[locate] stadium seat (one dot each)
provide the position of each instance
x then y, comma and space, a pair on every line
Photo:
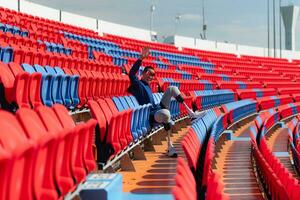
62, 174
15, 85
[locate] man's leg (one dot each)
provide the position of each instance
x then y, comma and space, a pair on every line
163, 116
173, 91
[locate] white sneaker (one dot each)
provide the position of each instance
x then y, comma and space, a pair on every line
197, 114
172, 152
190, 112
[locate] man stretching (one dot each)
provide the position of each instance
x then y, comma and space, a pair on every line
141, 90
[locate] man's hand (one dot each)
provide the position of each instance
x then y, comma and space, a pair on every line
145, 53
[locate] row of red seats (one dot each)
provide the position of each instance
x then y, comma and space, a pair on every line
204, 53
263, 79
20, 87
113, 133
46, 155
187, 85
290, 184
43, 23
274, 187
29, 55
280, 179
242, 66
185, 184
218, 77
253, 94
261, 73
93, 84
52, 59
210, 179
99, 56
73, 44
268, 60
281, 84
160, 73
191, 147
273, 101
152, 45
26, 42
235, 85
289, 110
186, 187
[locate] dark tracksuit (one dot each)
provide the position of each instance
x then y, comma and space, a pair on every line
141, 90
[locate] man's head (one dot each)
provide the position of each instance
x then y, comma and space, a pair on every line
148, 74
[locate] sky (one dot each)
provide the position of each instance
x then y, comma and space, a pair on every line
234, 21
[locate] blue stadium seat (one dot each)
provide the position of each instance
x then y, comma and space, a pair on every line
2, 27
7, 54
137, 118
47, 85
134, 120
57, 88
144, 113
70, 87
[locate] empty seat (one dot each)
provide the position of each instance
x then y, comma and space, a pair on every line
70, 86
46, 84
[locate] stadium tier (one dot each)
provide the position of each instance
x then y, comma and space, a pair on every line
71, 129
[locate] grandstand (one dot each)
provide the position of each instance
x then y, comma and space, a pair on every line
70, 130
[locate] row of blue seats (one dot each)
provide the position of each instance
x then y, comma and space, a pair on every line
224, 77
123, 53
119, 61
219, 126
92, 48
237, 104
207, 68
276, 100
6, 54
240, 109
241, 84
259, 93
172, 82
89, 40
140, 118
211, 98
192, 63
58, 48
116, 54
203, 126
208, 85
174, 56
177, 59
161, 65
57, 87
13, 30
185, 74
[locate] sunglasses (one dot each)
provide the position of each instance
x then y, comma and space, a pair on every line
150, 73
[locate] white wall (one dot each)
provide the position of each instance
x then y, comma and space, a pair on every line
122, 30
250, 50
79, 20
39, 10
206, 45
184, 41
226, 47
290, 54
11, 4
